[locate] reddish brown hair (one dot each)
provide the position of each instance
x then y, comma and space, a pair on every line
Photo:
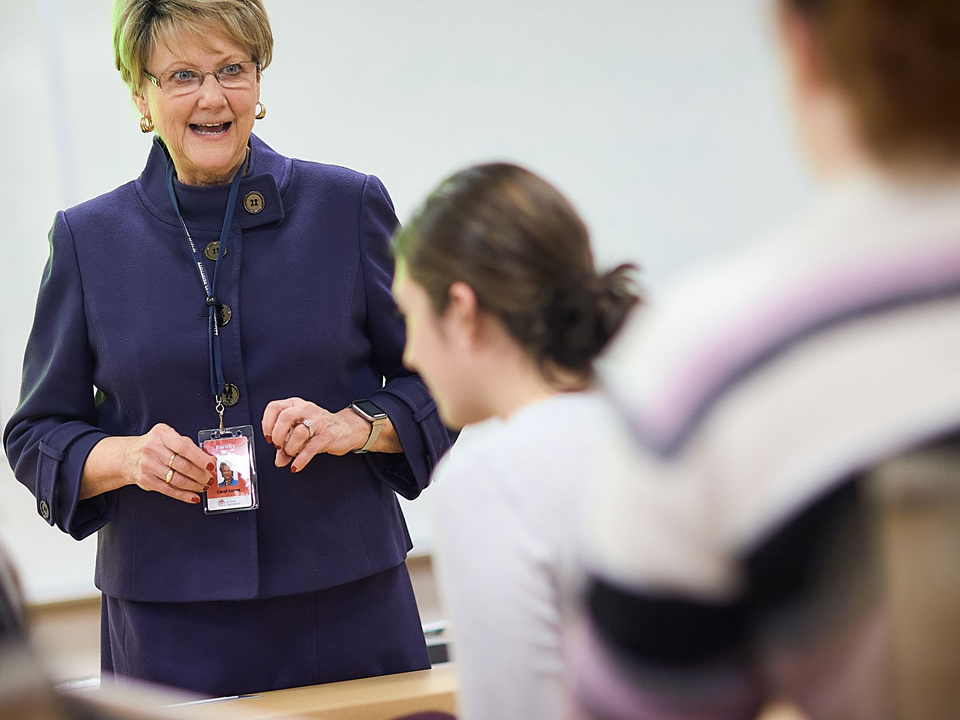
899, 63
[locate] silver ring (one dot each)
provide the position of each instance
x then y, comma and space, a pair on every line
308, 424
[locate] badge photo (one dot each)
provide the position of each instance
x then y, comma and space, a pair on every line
236, 486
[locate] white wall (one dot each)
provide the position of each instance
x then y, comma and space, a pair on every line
662, 121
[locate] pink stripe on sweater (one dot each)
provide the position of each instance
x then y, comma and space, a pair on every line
730, 349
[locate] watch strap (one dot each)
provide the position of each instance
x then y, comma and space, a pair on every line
375, 427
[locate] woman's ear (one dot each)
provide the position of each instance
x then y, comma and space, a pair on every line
460, 317
821, 110
141, 102
806, 63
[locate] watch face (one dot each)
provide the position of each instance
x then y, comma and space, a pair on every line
370, 409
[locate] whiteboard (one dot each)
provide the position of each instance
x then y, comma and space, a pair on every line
663, 122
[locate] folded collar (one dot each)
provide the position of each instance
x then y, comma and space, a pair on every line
259, 203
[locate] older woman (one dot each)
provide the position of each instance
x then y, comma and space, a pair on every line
225, 289
734, 553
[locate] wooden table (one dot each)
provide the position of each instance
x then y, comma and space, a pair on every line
377, 698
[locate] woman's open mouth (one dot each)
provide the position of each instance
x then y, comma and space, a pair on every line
210, 128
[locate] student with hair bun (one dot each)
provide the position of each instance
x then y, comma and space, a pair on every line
505, 314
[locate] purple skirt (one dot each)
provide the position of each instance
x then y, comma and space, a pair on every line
367, 627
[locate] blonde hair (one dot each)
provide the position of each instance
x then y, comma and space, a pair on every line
138, 25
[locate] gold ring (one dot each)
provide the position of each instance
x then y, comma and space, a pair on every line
169, 476
309, 425
170, 461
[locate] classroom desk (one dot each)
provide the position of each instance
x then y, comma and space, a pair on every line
377, 698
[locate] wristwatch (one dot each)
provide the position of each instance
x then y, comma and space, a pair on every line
373, 415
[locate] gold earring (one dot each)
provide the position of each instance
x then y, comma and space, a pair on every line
146, 124
262, 112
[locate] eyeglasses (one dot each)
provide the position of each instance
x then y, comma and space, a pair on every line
234, 76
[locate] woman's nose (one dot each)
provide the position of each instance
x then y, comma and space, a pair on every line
210, 93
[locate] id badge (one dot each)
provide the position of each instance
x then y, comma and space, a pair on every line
236, 488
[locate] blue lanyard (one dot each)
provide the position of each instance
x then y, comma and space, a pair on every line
217, 384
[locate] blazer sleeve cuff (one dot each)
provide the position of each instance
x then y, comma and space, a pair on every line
62, 455
422, 435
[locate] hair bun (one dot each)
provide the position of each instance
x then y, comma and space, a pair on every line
583, 314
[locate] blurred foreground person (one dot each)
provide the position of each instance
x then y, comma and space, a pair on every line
505, 314
772, 523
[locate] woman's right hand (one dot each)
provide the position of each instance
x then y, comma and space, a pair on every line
161, 461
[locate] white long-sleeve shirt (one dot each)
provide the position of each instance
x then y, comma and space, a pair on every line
507, 502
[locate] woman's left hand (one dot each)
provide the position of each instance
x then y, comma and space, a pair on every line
324, 432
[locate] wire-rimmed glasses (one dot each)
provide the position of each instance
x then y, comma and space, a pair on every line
235, 75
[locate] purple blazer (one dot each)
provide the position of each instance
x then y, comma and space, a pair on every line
119, 343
